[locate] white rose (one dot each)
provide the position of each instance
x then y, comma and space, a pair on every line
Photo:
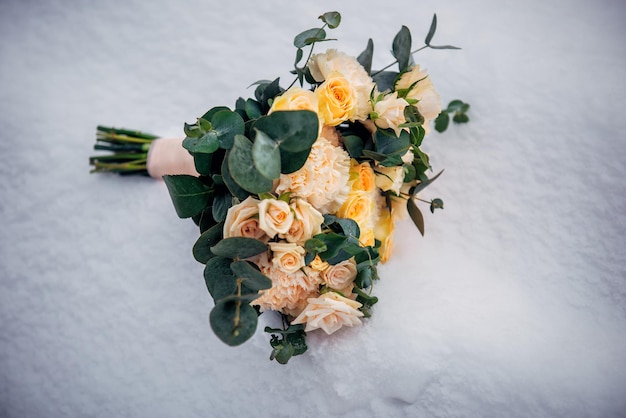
390, 112
275, 217
307, 222
287, 257
329, 312
241, 221
340, 275
429, 102
389, 178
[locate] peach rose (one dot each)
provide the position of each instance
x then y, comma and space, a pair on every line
289, 291
287, 257
389, 112
307, 222
329, 312
275, 217
341, 275
241, 221
336, 99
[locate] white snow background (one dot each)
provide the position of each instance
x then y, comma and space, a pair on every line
512, 305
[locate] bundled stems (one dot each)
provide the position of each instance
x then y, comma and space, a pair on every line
129, 151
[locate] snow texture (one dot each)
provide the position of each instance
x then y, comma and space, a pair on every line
513, 305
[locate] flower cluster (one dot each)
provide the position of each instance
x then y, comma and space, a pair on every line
298, 190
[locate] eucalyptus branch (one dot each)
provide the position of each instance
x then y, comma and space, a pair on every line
396, 61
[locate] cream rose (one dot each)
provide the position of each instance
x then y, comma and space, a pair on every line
242, 221
341, 275
275, 217
428, 100
389, 112
287, 257
306, 223
329, 312
336, 99
390, 178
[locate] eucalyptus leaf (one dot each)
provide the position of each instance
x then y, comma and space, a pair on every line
309, 36
242, 170
207, 143
219, 278
365, 57
421, 186
292, 161
227, 124
233, 321
193, 131
189, 194
442, 121
266, 155
390, 145
202, 248
354, 145
401, 48
202, 163
431, 31
251, 276
385, 80
253, 109
332, 19
416, 215
209, 114
334, 242
221, 203
444, 47
238, 247
455, 105
294, 131
234, 188
460, 118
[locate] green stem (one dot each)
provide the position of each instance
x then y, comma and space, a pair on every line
129, 151
307, 58
387, 66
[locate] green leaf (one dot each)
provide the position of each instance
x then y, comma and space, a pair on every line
455, 105
221, 203
332, 19
401, 48
385, 80
390, 144
444, 47
219, 278
207, 143
421, 186
202, 163
202, 248
294, 131
189, 194
436, 204
365, 57
292, 342
416, 215
251, 276
209, 115
442, 122
334, 242
253, 109
308, 37
292, 161
238, 247
460, 118
241, 167
314, 246
364, 278
227, 124
234, 188
354, 145
299, 54
233, 320
349, 227
193, 131
266, 155
431, 31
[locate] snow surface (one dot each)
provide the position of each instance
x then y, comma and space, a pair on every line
513, 305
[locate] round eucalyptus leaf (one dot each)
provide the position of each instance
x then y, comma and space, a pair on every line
227, 124
266, 155
219, 278
251, 277
233, 321
238, 247
202, 248
242, 170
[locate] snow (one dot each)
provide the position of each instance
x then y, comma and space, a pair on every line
514, 304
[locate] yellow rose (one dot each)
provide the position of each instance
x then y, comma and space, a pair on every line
367, 237
287, 257
318, 265
358, 207
241, 221
339, 276
329, 312
296, 98
384, 233
365, 179
336, 99
275, 217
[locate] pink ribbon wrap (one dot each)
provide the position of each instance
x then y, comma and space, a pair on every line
167, 156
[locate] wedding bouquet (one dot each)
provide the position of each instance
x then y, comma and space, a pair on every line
296, 191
